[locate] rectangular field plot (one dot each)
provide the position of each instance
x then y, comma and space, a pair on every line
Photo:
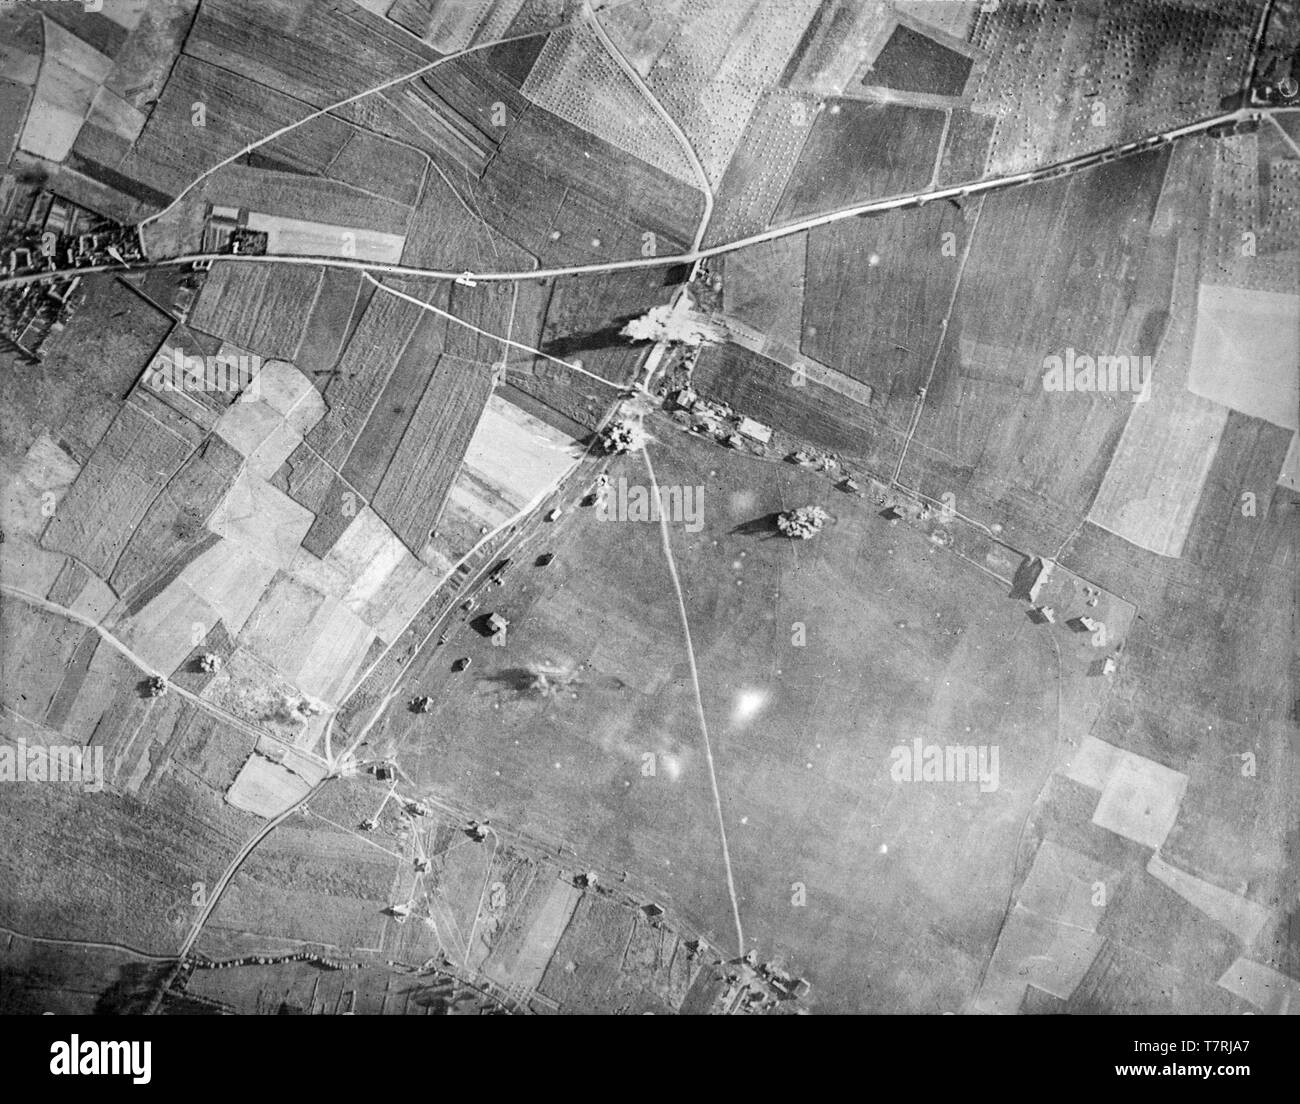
864, 151
124, 474
411, 495
1247, 353
1151, 489
914, 62
762, 388
512, 460
873, 289
261, 308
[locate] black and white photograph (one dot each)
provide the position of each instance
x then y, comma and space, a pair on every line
650, 507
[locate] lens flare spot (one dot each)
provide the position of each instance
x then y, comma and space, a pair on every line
748, 703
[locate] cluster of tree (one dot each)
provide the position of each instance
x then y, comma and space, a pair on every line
802, 523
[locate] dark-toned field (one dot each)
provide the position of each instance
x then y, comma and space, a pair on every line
262, 308
616, 198
128, 468
84, 372
861, 151
914, 62
415, 485
875, 291
761, 388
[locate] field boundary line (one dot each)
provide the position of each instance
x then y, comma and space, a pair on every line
487, 879
95, 944
939, 345
381, 87
495, 337
648, 95
1285, 136
203, 704
699, 701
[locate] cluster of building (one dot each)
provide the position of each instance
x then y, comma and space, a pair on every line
719, 421
226, 231
1031, 584
753, 989
46, 233
1279, 81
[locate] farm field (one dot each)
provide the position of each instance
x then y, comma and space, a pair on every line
264, 309
546, 164
912, 61
761, 388
86, 369
1141, 71
958, 675
859, 151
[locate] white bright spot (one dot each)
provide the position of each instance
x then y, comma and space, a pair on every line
672, 766
748, 703
873, 260
884, 848
742, 503
736, 565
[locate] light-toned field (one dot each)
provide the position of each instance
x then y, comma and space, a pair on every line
1050, 938
1153, 484
265, 788
513, 459
70, 76
269, 420
575, 78
1246, 353
319, 239
719, 63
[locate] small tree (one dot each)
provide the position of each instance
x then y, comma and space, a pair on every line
803, 523
620, 436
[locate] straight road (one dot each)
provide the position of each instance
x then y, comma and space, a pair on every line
957, 192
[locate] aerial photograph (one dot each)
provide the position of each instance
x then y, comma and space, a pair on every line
702, 507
